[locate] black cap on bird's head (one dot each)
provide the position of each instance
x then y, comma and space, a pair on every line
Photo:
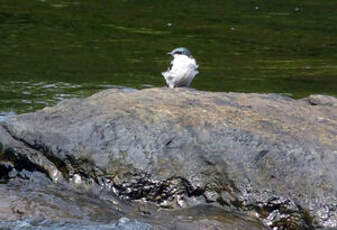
180, 51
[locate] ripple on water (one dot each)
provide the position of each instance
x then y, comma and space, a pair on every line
5, 115
122, 224
28, 96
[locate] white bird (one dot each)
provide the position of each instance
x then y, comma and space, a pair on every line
182, 69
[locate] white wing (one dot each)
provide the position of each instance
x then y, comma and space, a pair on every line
182, 72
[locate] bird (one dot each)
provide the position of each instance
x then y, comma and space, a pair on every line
182, 69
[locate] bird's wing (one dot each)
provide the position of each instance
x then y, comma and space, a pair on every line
181, 72
184, 66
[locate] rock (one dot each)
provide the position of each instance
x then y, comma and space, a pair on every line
38, 202
321, 100
267, 156
38, 199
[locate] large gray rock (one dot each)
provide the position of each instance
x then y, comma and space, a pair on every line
268, 156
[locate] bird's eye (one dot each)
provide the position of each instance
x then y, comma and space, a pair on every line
179, 52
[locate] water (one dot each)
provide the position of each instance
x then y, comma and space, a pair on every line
122, 224
51, 50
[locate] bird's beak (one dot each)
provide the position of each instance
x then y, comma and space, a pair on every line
169, 53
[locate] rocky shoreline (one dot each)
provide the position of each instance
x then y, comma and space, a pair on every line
255, 157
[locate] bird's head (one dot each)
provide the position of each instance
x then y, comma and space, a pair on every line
180, 51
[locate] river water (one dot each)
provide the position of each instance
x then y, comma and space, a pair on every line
122, 224
51, 50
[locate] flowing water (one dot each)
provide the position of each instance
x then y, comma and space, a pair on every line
122, 224
52, 50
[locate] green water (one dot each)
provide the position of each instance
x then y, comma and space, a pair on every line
51, 50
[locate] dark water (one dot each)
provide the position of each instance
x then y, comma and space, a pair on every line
51, 49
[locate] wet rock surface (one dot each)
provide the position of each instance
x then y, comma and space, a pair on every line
264, 156
31, 200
